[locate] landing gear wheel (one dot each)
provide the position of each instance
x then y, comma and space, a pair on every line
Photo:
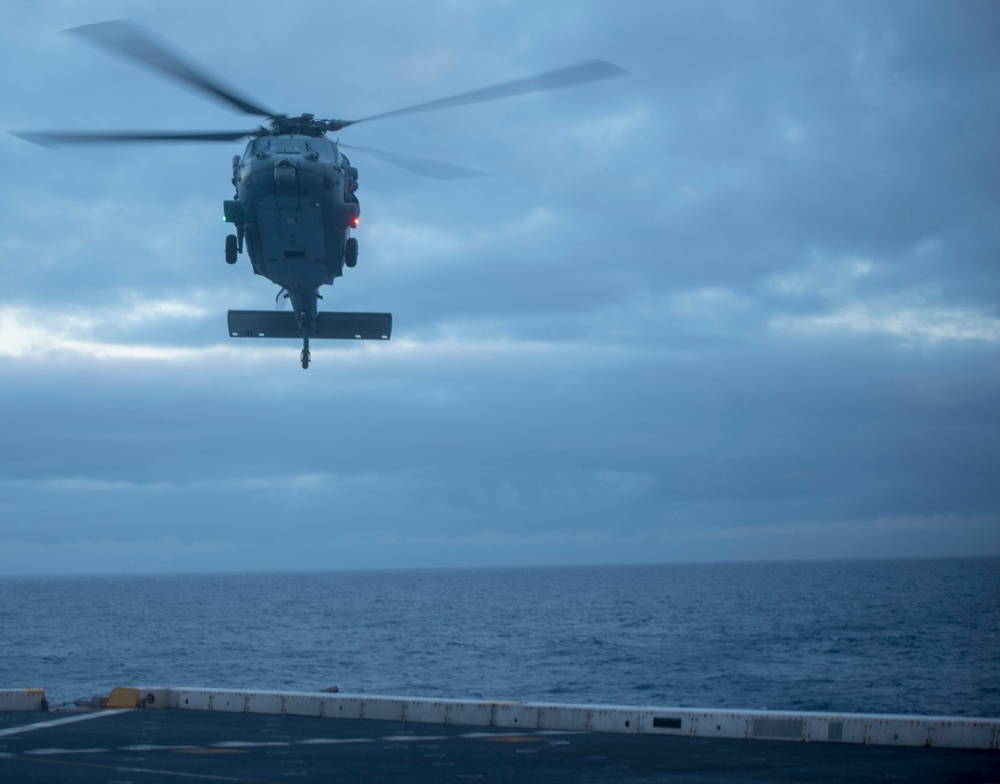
351, 252
304, 356
232, 249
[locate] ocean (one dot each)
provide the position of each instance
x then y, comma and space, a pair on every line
908, 636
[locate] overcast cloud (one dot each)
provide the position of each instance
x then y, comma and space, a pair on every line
741, 304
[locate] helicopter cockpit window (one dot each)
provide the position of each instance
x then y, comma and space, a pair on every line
287, 146
258, 146
322, 152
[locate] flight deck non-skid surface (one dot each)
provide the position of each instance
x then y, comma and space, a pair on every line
170, 745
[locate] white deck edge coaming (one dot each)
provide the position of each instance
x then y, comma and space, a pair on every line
22, 700
853, 728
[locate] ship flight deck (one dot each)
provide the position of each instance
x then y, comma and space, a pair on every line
172, 734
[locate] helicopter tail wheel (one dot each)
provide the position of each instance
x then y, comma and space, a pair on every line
351, 252
232, 248
305, 357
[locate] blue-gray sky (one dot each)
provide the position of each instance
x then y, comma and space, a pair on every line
741, 304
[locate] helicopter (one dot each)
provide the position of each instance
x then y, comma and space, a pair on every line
295, 201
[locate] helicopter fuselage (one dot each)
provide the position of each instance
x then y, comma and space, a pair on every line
294, 210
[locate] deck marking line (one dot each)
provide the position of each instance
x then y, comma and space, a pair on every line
41, 725
480, 735
247, 744
128, 769
178, 774
154, 747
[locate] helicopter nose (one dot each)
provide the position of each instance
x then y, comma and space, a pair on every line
284, 174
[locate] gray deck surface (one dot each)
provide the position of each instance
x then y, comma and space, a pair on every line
172, 746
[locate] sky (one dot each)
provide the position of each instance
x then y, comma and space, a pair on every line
740, 304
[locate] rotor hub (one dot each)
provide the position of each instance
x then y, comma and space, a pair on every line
303, 125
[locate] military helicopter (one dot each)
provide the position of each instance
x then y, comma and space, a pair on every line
296, 192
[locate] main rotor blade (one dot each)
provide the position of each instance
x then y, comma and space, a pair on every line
128, 40
428, 168
589, 71
47, 139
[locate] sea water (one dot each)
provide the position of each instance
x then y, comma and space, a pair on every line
911, 636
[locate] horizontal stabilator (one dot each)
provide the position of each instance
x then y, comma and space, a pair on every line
346, 326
